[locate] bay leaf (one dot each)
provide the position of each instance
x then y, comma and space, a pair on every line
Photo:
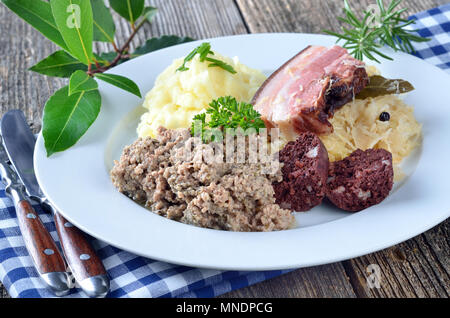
67, 118
39, 15
80, 81
74, 19
128, 9
120, 82
58, 64
380, 86
104, 27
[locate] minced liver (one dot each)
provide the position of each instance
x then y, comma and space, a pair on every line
361, 180
226, 196
305, 171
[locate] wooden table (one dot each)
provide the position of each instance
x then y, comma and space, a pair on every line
416, 268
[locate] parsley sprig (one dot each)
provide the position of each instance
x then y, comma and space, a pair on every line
204, 50
226, 112
384, 27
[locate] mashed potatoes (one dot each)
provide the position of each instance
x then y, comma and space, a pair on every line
179, 96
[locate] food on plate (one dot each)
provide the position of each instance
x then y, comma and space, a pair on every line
380, 86
206, 56
304, 93
179, 95
349, 105
384, 116
343, 132
226, 113
305, 172
171, 180
361, 124
360, 180
372, 70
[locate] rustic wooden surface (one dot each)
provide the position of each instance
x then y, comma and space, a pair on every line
418, 267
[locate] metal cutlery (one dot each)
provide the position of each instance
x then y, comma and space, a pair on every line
45, 254
86, 266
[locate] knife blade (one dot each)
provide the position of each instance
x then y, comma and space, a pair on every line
46, 257
86, 266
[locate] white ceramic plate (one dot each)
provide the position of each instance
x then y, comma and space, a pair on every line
77, 181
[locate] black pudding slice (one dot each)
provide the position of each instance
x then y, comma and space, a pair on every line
361, 180
305, 173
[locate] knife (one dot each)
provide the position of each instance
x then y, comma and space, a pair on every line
38, 241
86, 266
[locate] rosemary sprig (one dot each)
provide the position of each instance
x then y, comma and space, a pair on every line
204, 50
365, 36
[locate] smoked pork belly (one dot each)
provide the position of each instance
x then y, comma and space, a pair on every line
304, 93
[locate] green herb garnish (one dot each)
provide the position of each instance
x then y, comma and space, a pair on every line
382, 26
204, 50
225, 113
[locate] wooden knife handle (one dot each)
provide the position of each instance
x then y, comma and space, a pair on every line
80, 255
86, 266
38, 241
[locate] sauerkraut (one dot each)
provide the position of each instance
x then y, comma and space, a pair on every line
357, 126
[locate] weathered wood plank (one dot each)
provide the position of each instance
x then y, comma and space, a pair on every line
307, 16
328, 281
21, 46
197, 18
410, 269
3, 292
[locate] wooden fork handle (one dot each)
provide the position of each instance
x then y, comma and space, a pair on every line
86, 266
40, 245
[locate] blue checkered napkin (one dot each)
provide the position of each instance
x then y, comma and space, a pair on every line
434, 24
131, 275
134, 276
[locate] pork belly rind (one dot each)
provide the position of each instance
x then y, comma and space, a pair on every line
304, 93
